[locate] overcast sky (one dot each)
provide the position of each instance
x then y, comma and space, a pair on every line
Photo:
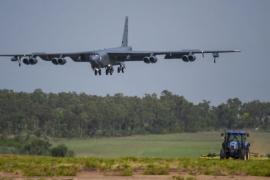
82, 25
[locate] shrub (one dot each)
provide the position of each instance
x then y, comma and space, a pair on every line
24, 144
152, 169
125, 170
61, 151
191, 178
211, 155
178, 178
8, 150
35, 146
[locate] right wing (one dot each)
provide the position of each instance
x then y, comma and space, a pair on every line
79, 56
186, 55
56, 58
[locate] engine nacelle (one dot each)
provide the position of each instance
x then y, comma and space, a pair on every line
25, 60
146, 60
153, 59
185, 58
62, 61
191, 58
32, 61
55, 61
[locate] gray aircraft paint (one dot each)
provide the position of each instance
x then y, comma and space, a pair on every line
108, 58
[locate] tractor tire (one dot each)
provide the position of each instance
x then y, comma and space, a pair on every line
243, 155
247, 154
222, 154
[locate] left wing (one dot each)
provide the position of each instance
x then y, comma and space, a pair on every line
149, 56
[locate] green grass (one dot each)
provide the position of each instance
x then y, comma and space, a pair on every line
52, 166
150, 154
169, 145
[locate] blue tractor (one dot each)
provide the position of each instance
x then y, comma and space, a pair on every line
235, 145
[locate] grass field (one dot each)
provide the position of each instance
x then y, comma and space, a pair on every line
51, 166
145, 154
169, 145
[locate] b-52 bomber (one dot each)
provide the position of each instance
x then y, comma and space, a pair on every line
108, 58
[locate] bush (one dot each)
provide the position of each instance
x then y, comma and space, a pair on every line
125, 170
153, 169
32, 145
8, 150
211, 155
35, 146
178, 178
61, 151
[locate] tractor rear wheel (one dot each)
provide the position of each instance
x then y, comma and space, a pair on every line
222, 154
243, 154
247, 154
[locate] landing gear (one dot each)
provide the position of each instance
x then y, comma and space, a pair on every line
109, 70
97, 72
121, 69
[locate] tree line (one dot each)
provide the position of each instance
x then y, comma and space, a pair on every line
81, 115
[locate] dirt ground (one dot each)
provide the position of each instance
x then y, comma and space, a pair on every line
101, 176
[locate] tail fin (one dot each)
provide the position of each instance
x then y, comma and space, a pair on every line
125, 34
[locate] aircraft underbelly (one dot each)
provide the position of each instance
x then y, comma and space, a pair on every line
105, 61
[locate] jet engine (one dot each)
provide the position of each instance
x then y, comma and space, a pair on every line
62, 61
185, 58
25, 60
32, 61
153, 59
191, 58
146, 60
55, 61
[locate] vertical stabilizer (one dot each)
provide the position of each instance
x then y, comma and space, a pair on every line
125, 34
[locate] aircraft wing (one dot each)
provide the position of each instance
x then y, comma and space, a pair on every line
78, 56
182, 54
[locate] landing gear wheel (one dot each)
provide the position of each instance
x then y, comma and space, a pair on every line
122, 69
111, 71
118, 69
107, 71
96, 72
99, 71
